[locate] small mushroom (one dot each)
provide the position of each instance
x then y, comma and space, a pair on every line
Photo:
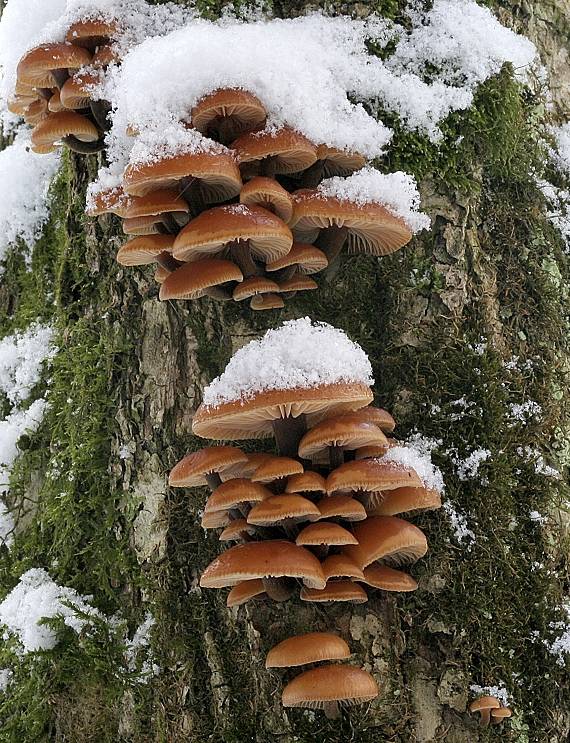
268, 194
334, 591
341, 507
270, 153
238, 530
331, 162
500, 715
214, 278
245, 591
386, 538
407, 500
204, 467
324, 534
142, 250
306, 482
92, 33
302, 258
254, 286
312, 647
70, 128
387, 579
276, 470
226, 113
368, 479
285, 511
297, 283
341, 566
237, 494
484, 705
165, 204
48, 65
109, 201
266, 302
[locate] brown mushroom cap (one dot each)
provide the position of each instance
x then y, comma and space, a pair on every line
372, 475
306, 482
339, 162
291, 151
64, 124
244, 109
43, 149
109, 200
140, 251
379, 417
105, 56
269, 194
346, 431
158, 202
266, 302
150, 225
91, 33
244, 591
341, 566
191, 471
275, 468
235, 491
371, 227
160, 274
236, 530
326, 533
216, 520
281, 508
54, 104
332, 683
403, 500
307, 258
217, 173
18, 105
210, 232
253, 286
336, 590
297, 283
192, 280
498, 715
268, 559
341, 506
35, 67
388, 579
76, 91
386, 538
484, 702
372, 452
252, 417
36, 111
247, 468
312, 647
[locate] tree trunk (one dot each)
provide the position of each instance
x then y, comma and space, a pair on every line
443, 319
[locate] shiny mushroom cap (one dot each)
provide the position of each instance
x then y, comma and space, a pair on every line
346, 431
227, 112
341, 566
191, 471
266, 302
235, 491
244, 591
312, 647
281, 508
150, 225
297, 283
290, 151
267, 193
162, 201
64, 124
386, 538
140, 251
379, 417
371, 227
325, 533
236, 530
406, 500
253, 286
307, 258
339, 162
268, 559
109, 201
372, 475
77, 90
306, 482
213, 230
335, 590
341, 506
498, 715
192, 280
37, 65
276, 468
332, 683
388, 579
215, 520
91, 33
54, 104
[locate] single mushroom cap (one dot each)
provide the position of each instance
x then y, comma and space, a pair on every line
307, 258
193, 280
142, 250
244, 591
405, 500
232, 492
150, 225
216, 520
341, 566
38, 65
160, 274
372, 475
227, 112
498, 715
379, 417
269, 194
336, 590
266, 302
269, 153
268, 559
388, 579
91, 33
344, 431
281, 508
325, 533
341, 506
18, 105
192, 470
484, 705
36, 112
77, 90
370, 228
253, 286
267, 236
373, 452
246, 469
330, 684
306, 482
54, 104
162, 201
236, 530
104, 56
339, 162
275, 468
312, 647
386, 538
57, 126
297, 283
216, 173
109, 201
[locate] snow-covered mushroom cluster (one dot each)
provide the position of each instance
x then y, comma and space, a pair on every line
321, 518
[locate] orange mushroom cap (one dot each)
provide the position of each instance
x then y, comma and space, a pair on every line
235, 530
266, 302
191, 471
253, 286
56, 126
276, 468
244, 110
312, 647
372, 475
388, 579
244, 591
36, 66
405, 500
298, 283
281, 508
346, 431
339, 162
291, 151
235, 491
335, 590
341, 566
308, 259
91, 33
192, 280
387, 538
341, 506
269, 194
109, 200
140, 251
331, 683
76, 91
326, 533
306, 482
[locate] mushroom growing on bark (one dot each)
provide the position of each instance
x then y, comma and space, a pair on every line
69, 128
165, 205
236, 496
387, 579
214, 278
48, 65
312, 647
484, 706
335, 590
266, 302
386, 538
226, 113
284, 511
204, 467
269, 153
331, 162
369, 479
140, 251
268, 194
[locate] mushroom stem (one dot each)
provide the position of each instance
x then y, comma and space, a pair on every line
60, 76
279, 589
45, 93
226, 129
288, 432
191, 191
167, 261
313, 175
240, 253
331, 710
485, 717
336, 456
268, 166
331, 241
100, 111
290, 528
284, 274
83, 148
170, 224
219, 293
214, 480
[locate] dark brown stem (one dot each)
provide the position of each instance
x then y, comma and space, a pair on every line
167, 261
331, 710
313, 175
336, 456
83, 148
279, 589
331, 241
191, 191
170, 224
219, 293
213, 480
290, 528
288, 432
60, 76
284, 274
485, 717
45, 93
268, 166
240, 253
100, 111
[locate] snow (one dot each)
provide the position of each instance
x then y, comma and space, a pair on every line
561, 155
533, 455
21, 358
560, 646
558, 208
524, 412
416, 453
25, 179
7, 526
37, 597
398, 192
152, 146
300, 353
5, 678
140, 643
468, 468
12, 428
537, 517
499, 692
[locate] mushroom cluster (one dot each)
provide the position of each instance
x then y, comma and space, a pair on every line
490, 710
327, 687
54, 88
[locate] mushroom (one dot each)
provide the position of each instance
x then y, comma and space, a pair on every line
254, 286
484, 705
238, 530
331, 162
140, 251
406, 500
54, 104
236, 496
245, 233
312, 647
276, 470
387, 579
341, 566
324, 534
302, 258
48, 65
306, 482
203, 467
228, 112
244, 591
70, 128
91, 33
297, 283
104, 56
272, 561
76, 94
213, 278
285, 511
335, 590
386, 538
215, 520
369, 478
338, 434
270, 153
165, 204
109, 201
341, 507
327, 687
266, 302
364, 228
268, 194
499, 715
379, 417
36, 112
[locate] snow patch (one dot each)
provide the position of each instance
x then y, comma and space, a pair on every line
499, 692
21, 358
461, 531
468, 468
416, 453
